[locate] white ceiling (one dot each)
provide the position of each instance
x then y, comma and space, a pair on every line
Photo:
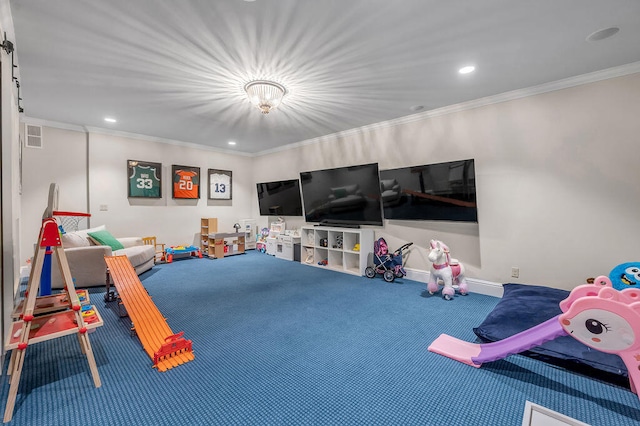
175, 69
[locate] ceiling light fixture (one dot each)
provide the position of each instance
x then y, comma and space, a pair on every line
467, 69
231, 143
603, 33
110, 120
266, 95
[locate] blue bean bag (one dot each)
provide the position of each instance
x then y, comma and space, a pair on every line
524, 306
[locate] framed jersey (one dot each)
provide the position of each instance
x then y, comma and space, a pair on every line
186, 182
144, 179
219, 184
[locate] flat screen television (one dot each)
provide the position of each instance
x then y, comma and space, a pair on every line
280, 198
442, 191
345, 196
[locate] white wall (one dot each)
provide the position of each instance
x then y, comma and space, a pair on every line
62, 159
174, 222
91, 170
557, 181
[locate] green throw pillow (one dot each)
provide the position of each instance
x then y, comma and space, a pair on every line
340, 192
104, 238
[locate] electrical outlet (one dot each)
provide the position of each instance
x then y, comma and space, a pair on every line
515, 272
104, 207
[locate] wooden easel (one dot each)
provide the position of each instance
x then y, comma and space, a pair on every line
30, 329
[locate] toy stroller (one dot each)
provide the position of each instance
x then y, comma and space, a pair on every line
385, 263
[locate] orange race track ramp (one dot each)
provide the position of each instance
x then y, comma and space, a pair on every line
166, 349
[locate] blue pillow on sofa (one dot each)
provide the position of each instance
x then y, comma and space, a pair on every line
524, 306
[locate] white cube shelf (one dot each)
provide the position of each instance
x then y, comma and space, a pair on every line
333, 248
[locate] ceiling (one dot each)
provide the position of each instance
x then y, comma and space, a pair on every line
176, 70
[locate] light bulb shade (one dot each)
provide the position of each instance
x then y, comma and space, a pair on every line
266, 95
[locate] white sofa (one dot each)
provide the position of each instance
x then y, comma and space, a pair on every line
346, 198
86, 258
390, 192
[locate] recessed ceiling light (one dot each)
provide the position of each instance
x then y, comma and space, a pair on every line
467, 69
110, 120
603, 33
231, 143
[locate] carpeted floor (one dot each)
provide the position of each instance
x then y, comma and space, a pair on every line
280, 343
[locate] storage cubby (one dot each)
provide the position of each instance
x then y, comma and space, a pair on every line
336, 239
322, 238
336, 246
321, 254
335, 259
307, 237
351, 240
225, 244
208, 225
352, 262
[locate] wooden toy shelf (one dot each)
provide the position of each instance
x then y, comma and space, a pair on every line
208, 225
217, 241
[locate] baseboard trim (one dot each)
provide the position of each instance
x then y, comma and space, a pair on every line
488, 288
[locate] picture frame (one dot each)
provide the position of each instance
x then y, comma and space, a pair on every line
144, 179
185, 182
220, 184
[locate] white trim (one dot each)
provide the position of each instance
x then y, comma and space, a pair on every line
54, 124
537, 415
487, 288
102, 131
417, 275
578, 80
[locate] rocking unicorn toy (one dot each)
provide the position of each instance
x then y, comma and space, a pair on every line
450, 271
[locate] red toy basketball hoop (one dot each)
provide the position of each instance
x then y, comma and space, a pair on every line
69, 220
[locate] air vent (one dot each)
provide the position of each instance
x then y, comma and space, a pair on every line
34, 136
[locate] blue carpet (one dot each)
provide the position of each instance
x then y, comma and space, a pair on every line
280, 343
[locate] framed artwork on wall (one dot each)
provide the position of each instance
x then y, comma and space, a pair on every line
219, 184
144, 179
186, 182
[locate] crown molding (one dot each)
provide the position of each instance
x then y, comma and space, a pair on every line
579, 80
566, 83
553, 86
55, 124
110, 132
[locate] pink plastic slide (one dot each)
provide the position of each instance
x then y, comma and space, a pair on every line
476, 354
597, 315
